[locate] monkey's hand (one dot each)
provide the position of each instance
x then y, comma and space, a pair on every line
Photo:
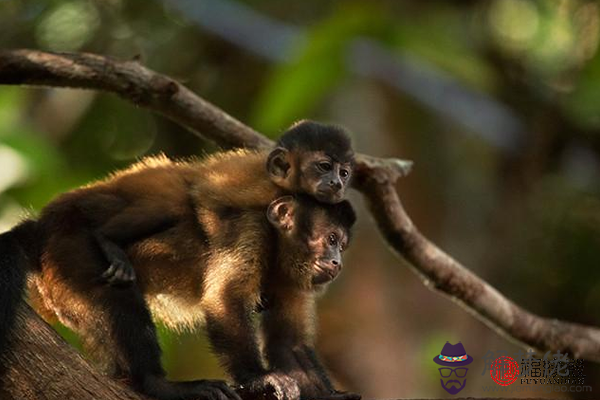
120, 272
322, 391
214, 390
317, 386
338, 395
204, 389
271, 386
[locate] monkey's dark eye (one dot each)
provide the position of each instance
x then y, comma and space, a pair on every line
333, 239
325, 166
344, 173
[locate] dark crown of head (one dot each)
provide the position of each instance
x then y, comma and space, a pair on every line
341, 213
313, 136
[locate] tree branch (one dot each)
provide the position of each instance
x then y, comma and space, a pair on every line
442, 273
375, 178
41, 365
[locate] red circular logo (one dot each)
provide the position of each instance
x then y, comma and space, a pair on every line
504, 371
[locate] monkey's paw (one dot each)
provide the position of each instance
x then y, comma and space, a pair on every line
215, 390
338, 395
120, 272
203, 389
272, 386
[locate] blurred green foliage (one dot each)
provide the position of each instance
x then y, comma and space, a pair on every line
318, 66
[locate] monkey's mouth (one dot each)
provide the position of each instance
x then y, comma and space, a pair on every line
323, 274
329, 196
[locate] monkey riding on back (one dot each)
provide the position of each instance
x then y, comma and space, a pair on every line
189, 243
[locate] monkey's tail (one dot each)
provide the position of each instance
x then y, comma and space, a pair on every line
18, 249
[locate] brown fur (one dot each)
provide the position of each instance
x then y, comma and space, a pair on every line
195, 236
237, 178
196, 262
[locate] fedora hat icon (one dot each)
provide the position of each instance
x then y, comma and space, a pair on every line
453, 355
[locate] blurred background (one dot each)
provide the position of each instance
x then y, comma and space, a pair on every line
497, 102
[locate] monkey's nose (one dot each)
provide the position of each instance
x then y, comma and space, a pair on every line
335, 185
336, 265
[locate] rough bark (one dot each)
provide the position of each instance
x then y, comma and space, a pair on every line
41, 365
375, 179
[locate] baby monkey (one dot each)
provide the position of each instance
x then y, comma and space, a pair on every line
284, 259
309, 158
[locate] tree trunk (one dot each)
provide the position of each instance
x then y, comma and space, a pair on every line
41, 365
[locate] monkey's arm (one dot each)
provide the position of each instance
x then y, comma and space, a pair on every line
288, 327
241, 192
236, 179
232, 283
139, 220
233, 337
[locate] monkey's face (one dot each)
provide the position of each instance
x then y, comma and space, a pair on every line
315, 173
326, 243
323, 178
312, 237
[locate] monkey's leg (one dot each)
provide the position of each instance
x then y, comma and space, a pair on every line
135, 342
128, 226
117, 328
114, 323
289, 347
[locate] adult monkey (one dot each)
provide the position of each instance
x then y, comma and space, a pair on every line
309, 158
161, 213
301, 242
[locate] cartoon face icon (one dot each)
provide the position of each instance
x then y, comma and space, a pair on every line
453, 374
450, 381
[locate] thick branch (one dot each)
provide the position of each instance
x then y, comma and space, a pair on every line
41, 365
375, 179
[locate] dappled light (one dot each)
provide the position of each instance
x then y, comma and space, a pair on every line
68, 26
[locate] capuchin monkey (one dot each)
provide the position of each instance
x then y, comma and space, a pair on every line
189, 237
309, 158
214, 268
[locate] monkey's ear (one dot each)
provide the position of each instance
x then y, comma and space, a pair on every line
278, 163
281, 213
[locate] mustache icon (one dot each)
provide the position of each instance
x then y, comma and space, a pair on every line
451, 386
452, 380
